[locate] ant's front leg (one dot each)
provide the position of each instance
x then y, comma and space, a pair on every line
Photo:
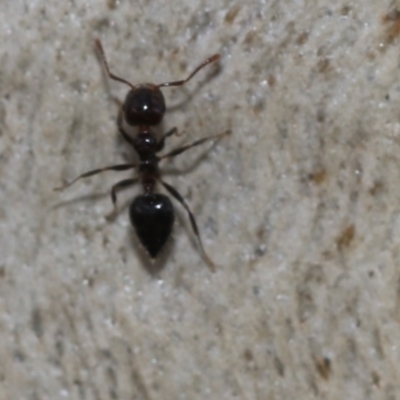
161, 142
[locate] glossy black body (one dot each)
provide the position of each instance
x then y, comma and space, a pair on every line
152, 216
151, 213
144, 105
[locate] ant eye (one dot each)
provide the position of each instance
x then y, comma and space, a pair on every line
144, 106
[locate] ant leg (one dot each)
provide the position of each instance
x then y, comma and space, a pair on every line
178, 197
118, 186
180, 150
119, 167
102, 55
161, 142
209, 60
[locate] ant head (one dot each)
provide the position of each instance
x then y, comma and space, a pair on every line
144, 105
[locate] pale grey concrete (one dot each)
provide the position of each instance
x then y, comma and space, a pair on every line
300, 207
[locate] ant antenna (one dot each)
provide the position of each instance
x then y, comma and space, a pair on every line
209, 60
102, 55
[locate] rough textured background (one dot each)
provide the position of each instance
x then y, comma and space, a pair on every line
300, 207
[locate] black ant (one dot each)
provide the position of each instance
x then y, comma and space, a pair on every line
151, 214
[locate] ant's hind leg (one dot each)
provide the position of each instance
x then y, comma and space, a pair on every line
117, 187
178, 197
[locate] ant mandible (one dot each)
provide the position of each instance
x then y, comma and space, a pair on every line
151, 214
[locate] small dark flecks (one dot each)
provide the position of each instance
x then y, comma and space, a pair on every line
232, 14
183, 66
370, 55
260, 250
256, 290
138, 381
81, 389
261, 232
279, 366
376, 379
376, 188
393, 18
106, 241
199, 23
219, 329
123, 254
2, 117
302, 38
378, 343
345, 10
320, 115
249, 39
2, 271
346, 237
19, 355
314, 274
37, 322
90, 281
59, 343
392, 15
211, 226
101, 24
318, 176
305, 303
271, 80
323, 366
258, 104
248, 355
113, 383
112, 4
324, 66
371, 274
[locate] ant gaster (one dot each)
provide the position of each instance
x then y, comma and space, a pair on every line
151, 214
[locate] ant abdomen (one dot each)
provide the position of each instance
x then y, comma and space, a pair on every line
144, 105
152, 216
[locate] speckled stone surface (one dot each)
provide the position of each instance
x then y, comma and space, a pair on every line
299, 207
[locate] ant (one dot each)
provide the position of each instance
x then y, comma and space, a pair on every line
151, 214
